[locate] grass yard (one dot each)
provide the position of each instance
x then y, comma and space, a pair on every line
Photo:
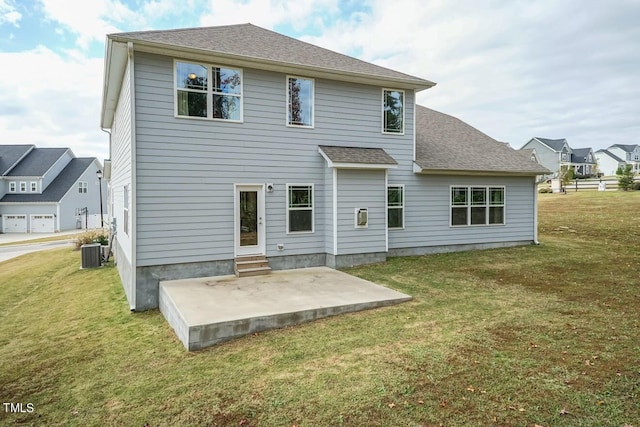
543, 335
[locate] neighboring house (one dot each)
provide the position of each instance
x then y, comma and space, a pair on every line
608, 163
551, 153
556, 155
42, 189
584, 162
238, 141
629, 153
530, 154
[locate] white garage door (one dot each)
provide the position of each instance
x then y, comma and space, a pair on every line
42, 224
14, 223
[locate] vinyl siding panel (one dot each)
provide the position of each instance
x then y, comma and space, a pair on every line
546, 156
427, 212
361, 189
186, 168
121, 175
91, 199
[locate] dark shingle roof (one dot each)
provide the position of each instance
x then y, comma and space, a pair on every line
627, 148
555, 144
445, 144
37, 162
610, 154
579, 155
251, 42
372, 156
59, 187
10, 154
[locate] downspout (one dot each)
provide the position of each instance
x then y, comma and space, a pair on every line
535, 212
132, 193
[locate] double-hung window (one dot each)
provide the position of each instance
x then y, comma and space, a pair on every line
83, 187
395, 206
23, 187
477, 206
34, 186
392, 111
300, 208
208, 91
299, 101
12, 187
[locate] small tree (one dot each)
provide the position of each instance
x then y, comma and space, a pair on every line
567, 174
625, 178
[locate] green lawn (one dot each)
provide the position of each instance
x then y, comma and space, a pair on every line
543, 335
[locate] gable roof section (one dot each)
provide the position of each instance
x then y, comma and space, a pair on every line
37, 162
58, 188
245, 45
355, 157
610, 154
447, 145
580, 155
10, 155
554, 144
627, 148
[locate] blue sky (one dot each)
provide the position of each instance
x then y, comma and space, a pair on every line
513, 69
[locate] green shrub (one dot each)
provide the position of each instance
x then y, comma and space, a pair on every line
98, 235
545, 190
636, 185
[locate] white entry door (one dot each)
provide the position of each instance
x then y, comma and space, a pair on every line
42, 223
249, 220
14, 223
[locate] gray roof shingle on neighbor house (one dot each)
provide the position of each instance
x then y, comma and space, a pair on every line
555, 144
625, 147
252, 42
445, 144
610, 154
10, 154
579, 155
58, 188
356, 155
37, 162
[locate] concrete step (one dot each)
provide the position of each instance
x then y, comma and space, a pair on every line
251, 266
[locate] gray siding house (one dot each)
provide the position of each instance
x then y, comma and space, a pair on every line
235, 141
42, 188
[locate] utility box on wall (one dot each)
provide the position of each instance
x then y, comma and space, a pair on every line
362, 217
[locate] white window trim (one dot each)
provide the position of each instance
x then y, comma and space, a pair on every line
23, 186
209, 91
313, 208
487, 205
401, 186
83, 185
313, 103
404, 110
13, 187
34, 187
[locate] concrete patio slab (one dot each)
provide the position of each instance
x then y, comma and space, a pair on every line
205, 311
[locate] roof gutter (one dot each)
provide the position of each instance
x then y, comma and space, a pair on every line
428, 171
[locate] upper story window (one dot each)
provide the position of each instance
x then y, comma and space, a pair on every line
300, 101
13, 187
83, 187
23, 187
34, 186
477, 206
392, 111
208, 91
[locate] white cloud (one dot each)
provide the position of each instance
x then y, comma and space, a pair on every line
9, 14
50, 100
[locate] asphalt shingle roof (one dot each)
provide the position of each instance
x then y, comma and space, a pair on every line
37, 162
555, 144
253, 42
373, 156
625, 147
447, 144
579, 155
10, 154
58, 188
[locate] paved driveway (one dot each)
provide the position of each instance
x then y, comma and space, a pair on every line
19, 243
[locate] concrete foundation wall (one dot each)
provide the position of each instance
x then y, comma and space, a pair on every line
425, 250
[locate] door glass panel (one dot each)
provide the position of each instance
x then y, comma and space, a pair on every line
248, 218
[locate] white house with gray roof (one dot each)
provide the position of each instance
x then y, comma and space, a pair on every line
630, 153
237, 146
42, 189
608, 163
556, 154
